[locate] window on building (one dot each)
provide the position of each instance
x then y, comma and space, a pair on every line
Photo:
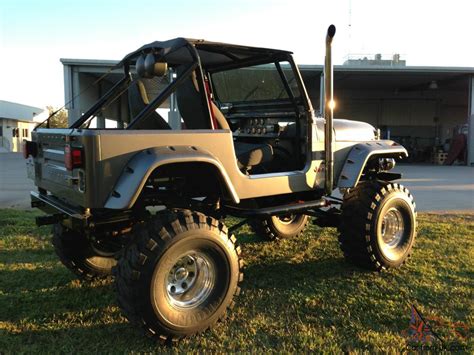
25, 132
1, 131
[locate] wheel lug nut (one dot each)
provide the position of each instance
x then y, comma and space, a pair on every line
173, 289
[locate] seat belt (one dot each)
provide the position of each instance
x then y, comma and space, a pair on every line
209, 101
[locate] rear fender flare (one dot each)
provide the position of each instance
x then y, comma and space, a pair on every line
141, 166
359, 155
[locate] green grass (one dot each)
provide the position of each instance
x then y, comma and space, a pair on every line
298, 295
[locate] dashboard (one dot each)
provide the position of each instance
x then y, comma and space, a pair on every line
259, 127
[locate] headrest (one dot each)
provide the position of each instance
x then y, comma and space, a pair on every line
148, 67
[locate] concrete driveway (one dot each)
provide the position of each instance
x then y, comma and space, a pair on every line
436, 188
440, 188
15, 187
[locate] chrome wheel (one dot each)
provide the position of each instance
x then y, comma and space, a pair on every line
286, 220
190, 280
393, 228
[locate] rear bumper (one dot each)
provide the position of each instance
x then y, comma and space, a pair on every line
58, 211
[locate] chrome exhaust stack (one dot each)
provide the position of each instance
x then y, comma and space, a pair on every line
329, 113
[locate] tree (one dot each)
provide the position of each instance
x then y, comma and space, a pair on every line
58, 120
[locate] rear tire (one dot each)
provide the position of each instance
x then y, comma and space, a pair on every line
79, 255
378, 225
280, 227
180, 275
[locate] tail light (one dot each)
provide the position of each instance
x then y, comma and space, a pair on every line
73, 157
29, 148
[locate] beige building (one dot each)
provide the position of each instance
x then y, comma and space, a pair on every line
16, 123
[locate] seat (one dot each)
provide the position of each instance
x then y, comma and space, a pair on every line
250, 155
190, 103
137, 101
190, 107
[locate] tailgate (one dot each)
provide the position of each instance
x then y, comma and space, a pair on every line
51, 173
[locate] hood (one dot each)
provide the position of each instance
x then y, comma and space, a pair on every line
354, 131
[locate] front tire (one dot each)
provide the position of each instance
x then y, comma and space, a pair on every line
378, 225
280, 227
180, 275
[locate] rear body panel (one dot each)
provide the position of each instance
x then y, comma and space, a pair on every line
107, 153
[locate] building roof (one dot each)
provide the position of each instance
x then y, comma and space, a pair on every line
404, 78
388, 69
19, 112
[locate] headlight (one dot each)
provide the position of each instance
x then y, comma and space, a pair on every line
386, 164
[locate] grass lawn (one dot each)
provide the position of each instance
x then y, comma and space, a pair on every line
298, 295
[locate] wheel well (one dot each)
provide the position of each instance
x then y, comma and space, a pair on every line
378, 163
187, 180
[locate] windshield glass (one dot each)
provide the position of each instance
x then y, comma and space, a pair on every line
256, 83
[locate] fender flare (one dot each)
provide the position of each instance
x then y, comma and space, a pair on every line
137, 171
360, 154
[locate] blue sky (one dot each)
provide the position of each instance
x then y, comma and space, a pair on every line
35, 34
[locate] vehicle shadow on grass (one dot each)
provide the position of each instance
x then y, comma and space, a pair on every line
286, 274
41, 293
101, 338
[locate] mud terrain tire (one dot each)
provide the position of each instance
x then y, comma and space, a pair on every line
280, 227
180, 275
378, 225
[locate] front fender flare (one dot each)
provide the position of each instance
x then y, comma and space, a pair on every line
360, 154
139, 168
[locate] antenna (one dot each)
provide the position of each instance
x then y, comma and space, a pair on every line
350, 26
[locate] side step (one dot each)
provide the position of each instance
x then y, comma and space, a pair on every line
277, 210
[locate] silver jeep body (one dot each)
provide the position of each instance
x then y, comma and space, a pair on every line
117, 166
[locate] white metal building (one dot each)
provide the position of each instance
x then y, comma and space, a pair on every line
16, 123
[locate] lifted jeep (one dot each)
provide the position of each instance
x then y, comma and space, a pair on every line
241, 139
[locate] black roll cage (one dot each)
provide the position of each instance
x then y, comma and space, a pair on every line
161, 54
